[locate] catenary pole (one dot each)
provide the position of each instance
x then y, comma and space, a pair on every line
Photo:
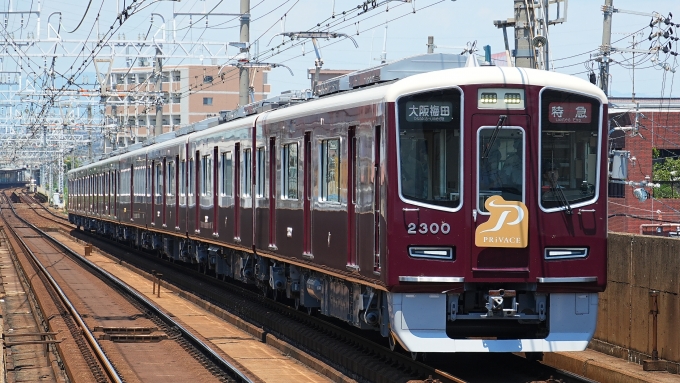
243, 74
605, 49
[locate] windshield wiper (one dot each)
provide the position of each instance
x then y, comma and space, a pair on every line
561, 197
494, 135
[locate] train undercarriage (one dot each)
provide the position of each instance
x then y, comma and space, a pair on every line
479, 318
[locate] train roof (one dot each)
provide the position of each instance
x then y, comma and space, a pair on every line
492, 75
384, 83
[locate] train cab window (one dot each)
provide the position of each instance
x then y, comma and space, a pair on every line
569, 148
330, 170
206, 176
500, 164
226, 169
289, 171
430, 152
247, 170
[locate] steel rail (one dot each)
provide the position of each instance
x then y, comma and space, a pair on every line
103, 359
207, 350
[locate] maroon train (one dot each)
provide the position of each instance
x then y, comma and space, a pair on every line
459, 210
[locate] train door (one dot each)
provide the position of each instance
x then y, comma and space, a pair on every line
272, 192
307, 196
500, 218
164, 190
237, 192
132, 191
352, 198
197, 192
154, 192
215, 192
376, 199
176, 193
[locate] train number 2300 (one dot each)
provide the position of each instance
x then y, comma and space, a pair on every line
433, 228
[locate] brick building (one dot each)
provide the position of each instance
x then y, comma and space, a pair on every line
190, 94
658, 132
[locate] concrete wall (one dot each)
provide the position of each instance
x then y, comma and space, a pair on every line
638, 264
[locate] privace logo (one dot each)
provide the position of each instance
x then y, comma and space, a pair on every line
508, 225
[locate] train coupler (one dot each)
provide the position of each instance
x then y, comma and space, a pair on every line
501, 303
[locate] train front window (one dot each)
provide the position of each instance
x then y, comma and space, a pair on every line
429, 147
570, 136
500, 164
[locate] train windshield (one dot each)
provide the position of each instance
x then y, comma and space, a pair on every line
500, 164
429, 147
570, 136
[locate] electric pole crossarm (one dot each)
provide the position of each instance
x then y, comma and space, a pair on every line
616, 10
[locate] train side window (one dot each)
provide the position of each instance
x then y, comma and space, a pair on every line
289, 171
190, 176
206, 179
182, 179
247, 170
330, 170
171, 178
226, 174
159, 180
148, 190
259, 172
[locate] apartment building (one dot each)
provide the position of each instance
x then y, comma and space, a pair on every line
190, 94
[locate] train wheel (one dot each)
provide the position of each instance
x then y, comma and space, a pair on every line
265, 290
392, 342
419, 356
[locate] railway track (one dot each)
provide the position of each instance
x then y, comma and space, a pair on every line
366, 359
94, 319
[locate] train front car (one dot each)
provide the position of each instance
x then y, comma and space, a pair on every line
496, 210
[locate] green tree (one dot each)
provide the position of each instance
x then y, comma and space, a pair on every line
664, 172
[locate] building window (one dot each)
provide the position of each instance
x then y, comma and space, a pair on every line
330, 170
176, 76
289, 170
207, 100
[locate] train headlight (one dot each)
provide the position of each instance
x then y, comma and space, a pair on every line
565, 252
512, 98
432, 252
488, 98
500, 98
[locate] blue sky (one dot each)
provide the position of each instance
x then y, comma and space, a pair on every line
452, 23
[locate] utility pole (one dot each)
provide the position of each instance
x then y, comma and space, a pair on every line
430, 44
89, 134
159, 89
524, 54
605, 49
243, 72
